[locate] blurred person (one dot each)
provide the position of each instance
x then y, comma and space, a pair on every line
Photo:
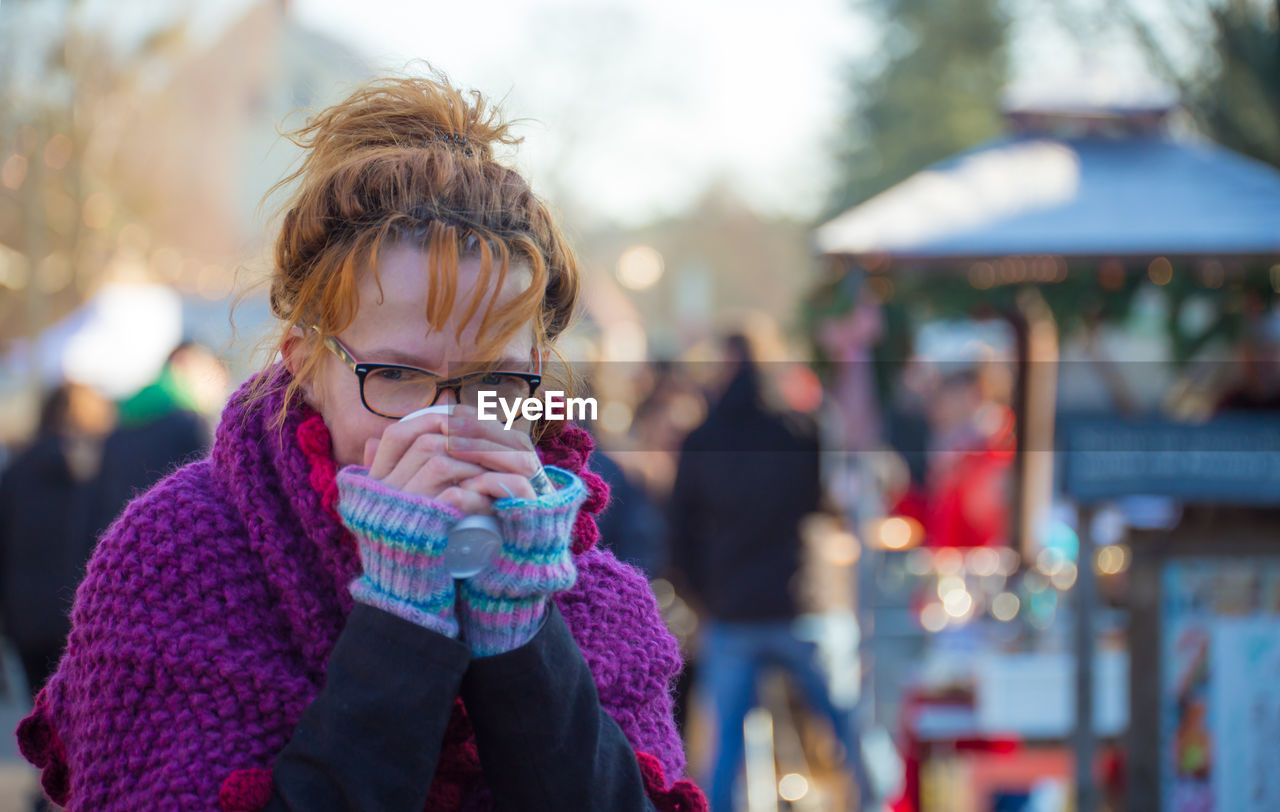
972, 444
279, 626
970, 440
161, 427
632, 526
46, 531
849, 340
746, 479
665, 414
1256, 387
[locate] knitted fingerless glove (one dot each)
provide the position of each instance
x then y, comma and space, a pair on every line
402, 539
502, 607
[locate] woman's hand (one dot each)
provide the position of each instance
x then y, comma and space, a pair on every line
502, 606
456, 459
460, 462
402, 539
508, 456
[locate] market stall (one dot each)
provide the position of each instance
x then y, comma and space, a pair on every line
1120, 258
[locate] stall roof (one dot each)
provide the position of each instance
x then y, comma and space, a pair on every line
1097, 196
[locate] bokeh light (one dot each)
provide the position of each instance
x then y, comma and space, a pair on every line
1064, 577
1005, 606
919, 562
958, 603
897, 532
1112, 559
792, 787
948, 561
983, 561
1160, 271
639, 267
948, 584
933, 617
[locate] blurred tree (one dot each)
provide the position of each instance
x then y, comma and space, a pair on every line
67, 92
1222, 57
932, 90
1236, 101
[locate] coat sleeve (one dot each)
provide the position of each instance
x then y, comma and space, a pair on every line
371, 738
544, 741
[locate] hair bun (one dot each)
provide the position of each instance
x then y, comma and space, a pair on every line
405, 113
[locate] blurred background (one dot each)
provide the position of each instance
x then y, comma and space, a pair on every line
1012, 264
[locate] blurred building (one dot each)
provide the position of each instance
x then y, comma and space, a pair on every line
206, 143
690, 275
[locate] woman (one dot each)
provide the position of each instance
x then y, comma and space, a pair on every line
276, 627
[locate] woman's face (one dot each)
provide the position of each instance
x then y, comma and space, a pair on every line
391, 328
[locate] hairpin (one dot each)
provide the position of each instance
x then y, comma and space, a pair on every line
451, 138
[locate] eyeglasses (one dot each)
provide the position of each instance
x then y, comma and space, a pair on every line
395, 390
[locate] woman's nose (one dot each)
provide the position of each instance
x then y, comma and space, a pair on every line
447, 397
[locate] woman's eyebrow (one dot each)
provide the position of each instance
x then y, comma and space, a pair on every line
507, 364
397, 357
406, 359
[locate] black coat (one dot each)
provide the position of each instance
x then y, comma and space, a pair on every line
632, 526
46, 535
136, 457
746, 478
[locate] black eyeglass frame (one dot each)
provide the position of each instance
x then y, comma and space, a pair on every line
363, 369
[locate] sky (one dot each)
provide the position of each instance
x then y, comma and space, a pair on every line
632, 108
636, 106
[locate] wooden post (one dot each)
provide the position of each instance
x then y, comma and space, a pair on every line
1083, 741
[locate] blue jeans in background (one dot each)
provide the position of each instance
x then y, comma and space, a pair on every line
732, 657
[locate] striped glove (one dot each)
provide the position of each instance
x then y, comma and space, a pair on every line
402, 539
502, 607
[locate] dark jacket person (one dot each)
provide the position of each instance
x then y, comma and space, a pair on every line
46, 531
746, 478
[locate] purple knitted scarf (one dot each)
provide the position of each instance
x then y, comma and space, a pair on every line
204, 624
